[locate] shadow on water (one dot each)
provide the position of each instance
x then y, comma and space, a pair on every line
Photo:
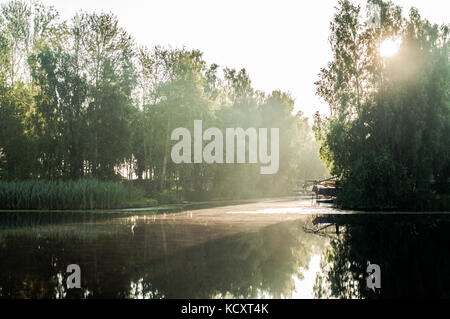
413, 252
26, 219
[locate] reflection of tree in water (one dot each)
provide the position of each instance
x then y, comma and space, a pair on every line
412, 251
122, 265
240, 266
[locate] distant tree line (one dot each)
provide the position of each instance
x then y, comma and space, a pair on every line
388, 135
80, 98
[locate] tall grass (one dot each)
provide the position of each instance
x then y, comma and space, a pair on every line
64, 195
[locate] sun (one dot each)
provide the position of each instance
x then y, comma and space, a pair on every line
390, 47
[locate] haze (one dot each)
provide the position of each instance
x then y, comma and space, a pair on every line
282, 44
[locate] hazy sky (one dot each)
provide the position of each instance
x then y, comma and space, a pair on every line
282, 44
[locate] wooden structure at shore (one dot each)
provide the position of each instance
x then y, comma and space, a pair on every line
326, 187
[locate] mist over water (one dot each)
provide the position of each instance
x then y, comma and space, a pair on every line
261, 250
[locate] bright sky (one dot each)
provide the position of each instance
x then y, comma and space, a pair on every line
281, 43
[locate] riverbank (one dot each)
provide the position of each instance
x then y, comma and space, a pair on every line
94, 195
204, 211
158, 209
82, 194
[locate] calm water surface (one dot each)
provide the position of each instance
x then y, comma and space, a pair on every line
263, 250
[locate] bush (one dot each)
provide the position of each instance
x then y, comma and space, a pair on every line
169, 198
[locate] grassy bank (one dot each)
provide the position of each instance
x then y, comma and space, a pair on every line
92, 194
64, 195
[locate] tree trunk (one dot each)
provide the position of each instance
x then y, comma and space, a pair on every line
164, 168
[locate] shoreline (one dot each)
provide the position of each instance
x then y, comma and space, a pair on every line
160, 208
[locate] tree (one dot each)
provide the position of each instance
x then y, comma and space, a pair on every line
60, 112
80, 99
385, 137
105, 53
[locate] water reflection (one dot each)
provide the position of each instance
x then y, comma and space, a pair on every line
151, 258
222, 255
413, 252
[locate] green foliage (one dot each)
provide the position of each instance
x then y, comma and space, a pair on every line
168, 197
388, 134
79, 99
65, 195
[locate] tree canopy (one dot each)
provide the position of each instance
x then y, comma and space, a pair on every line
80, 98
387, 137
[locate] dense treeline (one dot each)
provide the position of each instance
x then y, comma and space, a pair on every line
80, 99
388, 134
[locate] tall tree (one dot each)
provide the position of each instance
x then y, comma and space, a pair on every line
388, 144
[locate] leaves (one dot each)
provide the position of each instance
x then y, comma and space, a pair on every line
386, 135
80, 99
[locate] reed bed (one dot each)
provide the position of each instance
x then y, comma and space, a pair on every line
65, 195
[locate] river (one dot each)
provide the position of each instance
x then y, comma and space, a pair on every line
268, 249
